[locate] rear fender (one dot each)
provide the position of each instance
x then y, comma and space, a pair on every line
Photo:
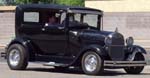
26, 44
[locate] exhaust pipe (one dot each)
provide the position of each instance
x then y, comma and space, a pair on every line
3, 54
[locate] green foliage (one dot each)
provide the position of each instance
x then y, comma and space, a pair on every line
71, 2
33, 1
62, 2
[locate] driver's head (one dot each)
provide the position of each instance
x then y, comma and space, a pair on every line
52, 20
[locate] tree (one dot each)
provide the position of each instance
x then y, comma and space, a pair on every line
62, 2
33, 1
7, 2
70, 2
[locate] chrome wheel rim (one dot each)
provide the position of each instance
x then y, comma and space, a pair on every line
90, 62
14, 57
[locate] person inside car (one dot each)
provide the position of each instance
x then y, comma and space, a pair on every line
52, 20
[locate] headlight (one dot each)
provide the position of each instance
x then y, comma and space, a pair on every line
108, 40
129, 41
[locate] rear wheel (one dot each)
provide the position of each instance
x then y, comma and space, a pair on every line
136, 69
17, 57
92, 63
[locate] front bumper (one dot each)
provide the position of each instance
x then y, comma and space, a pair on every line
124, 63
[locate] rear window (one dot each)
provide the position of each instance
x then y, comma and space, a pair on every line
31, 16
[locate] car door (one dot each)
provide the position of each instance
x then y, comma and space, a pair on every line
54, 40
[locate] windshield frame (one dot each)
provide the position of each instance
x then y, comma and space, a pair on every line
86, 12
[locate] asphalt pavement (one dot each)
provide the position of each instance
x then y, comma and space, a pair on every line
39, 71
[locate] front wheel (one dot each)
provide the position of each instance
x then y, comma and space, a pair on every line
92, 63
135, 69
17, 57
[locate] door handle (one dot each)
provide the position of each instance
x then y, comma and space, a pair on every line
61, 28
43, 29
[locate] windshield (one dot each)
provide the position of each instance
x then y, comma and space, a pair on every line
84, 19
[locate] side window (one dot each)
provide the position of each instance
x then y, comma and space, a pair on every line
31, 17
91, 20
77, 17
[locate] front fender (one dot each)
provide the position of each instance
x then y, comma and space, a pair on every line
136, 49
97, 48
139, 49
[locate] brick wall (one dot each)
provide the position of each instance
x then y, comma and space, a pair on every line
134, 24
7, 21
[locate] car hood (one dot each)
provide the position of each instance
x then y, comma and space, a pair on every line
91, 34
95, 34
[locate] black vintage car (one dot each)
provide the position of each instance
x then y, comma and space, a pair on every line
64, 36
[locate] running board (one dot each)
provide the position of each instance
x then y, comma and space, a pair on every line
55, 64
124, 63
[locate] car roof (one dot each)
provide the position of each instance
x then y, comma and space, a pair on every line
54, 6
